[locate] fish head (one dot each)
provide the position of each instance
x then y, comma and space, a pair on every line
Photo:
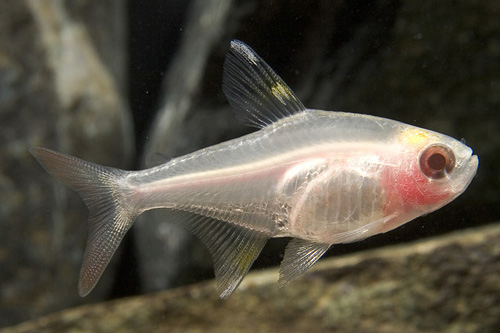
437, 169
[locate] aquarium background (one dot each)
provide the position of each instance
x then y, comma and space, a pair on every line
116, 82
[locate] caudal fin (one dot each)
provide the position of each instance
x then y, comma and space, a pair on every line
109, 218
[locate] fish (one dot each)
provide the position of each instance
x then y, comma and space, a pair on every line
318, 177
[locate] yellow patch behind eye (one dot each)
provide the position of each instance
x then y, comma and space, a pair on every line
414, 136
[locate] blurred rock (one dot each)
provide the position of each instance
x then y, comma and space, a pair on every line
58, 90
446, 284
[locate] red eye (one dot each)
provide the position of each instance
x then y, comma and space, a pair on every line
436, 161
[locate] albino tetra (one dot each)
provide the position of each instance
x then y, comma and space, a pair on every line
320, 177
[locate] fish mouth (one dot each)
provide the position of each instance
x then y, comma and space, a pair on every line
472, 165
474, 161
461, 180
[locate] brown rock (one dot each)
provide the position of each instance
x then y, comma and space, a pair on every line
445, 284
55, 91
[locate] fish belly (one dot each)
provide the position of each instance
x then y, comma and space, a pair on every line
334, 197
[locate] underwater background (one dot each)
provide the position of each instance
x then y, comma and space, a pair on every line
114, 82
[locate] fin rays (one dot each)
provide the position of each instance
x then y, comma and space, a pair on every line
300, 255
233, 248
108, 219
258, 95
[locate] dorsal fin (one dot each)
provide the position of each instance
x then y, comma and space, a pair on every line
257, 94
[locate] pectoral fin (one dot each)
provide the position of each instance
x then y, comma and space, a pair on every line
300, 255
233, 248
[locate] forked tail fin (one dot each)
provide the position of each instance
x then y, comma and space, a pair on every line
102, 189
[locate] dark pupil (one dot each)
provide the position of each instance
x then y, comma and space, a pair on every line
436, 162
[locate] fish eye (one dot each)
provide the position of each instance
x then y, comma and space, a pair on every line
436, 161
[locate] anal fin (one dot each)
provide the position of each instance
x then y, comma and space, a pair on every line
300, 255
233, 248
